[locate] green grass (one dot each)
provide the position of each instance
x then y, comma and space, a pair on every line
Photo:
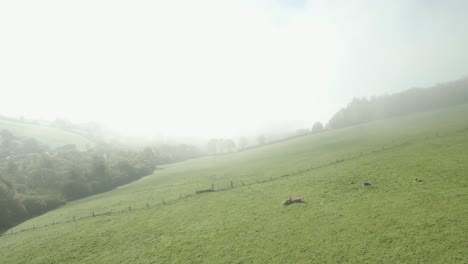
395, 221
51, 136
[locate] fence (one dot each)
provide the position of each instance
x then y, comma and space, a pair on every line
231, 185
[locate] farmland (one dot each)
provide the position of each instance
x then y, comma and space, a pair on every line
160, 219
45, 134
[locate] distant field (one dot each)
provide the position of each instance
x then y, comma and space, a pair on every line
45, 134
395, 221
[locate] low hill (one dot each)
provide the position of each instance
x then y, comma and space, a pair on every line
406, 102
51, 136
236, 217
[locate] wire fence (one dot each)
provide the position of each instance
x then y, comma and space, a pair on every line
230, 185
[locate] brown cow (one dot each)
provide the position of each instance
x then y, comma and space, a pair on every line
291, 201
298, 200
418, 180
287, 202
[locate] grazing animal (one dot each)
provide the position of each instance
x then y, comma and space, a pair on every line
418, 180
367, 184
287, 202
298, 200
291, 201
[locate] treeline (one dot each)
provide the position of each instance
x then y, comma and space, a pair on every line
35, 178
220, 145
410, 101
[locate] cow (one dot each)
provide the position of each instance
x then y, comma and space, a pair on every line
367, 184
298, 200
418, 180
287, 202
291, 201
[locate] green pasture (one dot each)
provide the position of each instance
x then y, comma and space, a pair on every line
160, 219
51, 136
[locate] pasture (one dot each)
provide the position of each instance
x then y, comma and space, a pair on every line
51, 136
160, 219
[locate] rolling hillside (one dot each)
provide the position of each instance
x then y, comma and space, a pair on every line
45, 134
160, 219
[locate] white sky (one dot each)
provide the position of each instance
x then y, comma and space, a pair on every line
219, 68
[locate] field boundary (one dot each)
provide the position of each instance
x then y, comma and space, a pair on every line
148, 206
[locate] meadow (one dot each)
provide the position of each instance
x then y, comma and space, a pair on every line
51, 136
160, 218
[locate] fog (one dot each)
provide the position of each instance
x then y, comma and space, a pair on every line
219, 68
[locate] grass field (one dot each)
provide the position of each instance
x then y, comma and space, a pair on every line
51, 136
159, 219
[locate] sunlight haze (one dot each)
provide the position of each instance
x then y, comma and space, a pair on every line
219, 68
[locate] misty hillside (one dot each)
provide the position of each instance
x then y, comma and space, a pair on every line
45, 134
227, 209
36, 177
45, 166
413, 100
280, 131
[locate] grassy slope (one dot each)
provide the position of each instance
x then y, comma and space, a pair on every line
395, 221
44, 134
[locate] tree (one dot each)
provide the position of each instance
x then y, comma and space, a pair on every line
6, 197
212, 146
76, 186
11, 168
44, 179
99, 175
5, 212
8, 147
228, 145
261, 140
31, 145
363, 110
317, 127
302, 131
242, 143
148, 154
6, 135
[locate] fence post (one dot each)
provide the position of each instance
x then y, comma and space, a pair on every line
93, 214
212, 186
147, 205
232, 184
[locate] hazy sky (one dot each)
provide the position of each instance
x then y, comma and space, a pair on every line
220, 68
